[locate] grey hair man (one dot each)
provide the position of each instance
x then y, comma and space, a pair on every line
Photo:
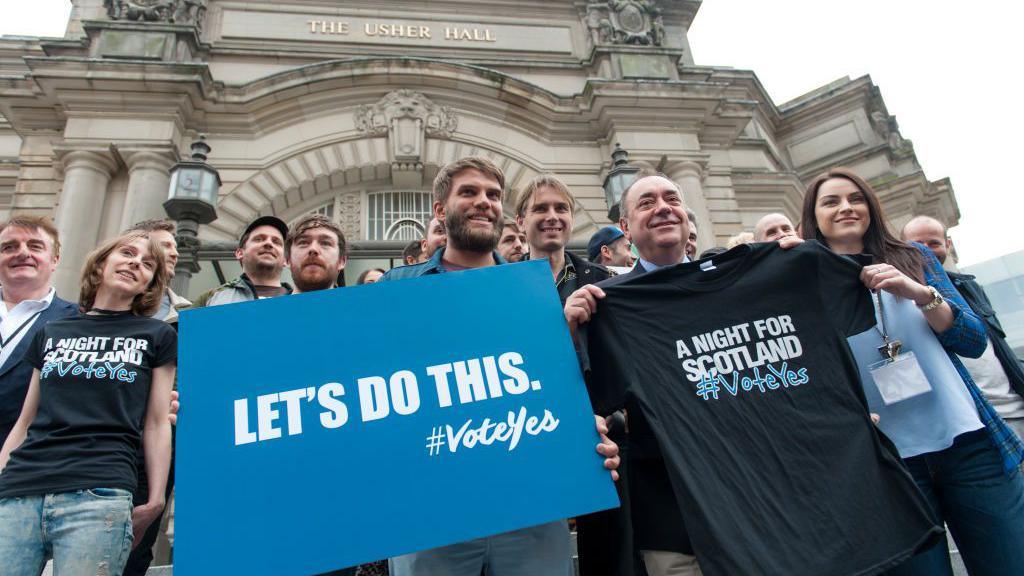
773, 226
997, 372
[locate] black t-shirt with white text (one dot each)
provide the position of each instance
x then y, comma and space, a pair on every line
740, 366
95, 375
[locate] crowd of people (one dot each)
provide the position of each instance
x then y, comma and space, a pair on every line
87, 401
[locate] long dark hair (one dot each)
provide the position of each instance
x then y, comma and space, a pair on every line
879, 241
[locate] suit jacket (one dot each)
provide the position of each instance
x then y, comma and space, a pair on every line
16, 373
976, 298
610, 542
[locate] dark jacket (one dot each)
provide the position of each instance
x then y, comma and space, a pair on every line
16, 373
610, 542
976, 298
650, 491
588, 272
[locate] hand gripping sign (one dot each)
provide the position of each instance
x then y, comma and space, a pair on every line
327, 429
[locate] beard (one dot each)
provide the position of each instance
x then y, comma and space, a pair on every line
310, 278
470, 239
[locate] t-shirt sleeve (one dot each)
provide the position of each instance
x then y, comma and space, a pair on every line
166, 340
597, 348
847, 301
34, 353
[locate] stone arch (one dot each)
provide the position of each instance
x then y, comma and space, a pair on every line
305, 179
305, 138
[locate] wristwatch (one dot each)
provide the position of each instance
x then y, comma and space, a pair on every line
937, 300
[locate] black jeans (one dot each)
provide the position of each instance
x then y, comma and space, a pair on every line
142, 553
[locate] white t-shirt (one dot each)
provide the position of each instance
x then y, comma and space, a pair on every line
989, 375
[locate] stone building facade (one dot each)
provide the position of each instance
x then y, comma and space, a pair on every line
349, 109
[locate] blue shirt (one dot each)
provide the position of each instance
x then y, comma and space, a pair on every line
927, 422
433, 266
651, 266
967, 337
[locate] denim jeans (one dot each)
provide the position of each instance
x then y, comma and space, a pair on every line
982, 506
544, 550
86, 532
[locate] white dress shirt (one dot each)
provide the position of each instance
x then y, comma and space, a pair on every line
24, 312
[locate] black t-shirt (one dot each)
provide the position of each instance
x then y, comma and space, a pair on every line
95, 373
743, 373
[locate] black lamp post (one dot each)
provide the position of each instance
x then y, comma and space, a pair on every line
619, 178
191, 201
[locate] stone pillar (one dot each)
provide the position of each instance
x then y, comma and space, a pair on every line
689, 175
148, 179
79, 212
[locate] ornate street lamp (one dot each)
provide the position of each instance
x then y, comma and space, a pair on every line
619, 178
191, 201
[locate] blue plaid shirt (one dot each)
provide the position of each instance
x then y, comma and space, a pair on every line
968, 337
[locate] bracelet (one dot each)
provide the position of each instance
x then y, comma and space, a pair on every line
937, 300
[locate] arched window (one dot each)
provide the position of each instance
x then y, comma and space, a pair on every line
393, 215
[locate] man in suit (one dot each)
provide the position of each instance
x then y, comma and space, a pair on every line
29, 252
654, 219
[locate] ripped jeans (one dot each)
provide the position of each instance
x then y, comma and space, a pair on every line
86, 532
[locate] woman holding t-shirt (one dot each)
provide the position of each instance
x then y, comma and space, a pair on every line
960, 453
67, 469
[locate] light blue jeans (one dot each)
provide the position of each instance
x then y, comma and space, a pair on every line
87, 532
544, 550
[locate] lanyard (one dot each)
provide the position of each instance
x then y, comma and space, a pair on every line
890, 349
5, 342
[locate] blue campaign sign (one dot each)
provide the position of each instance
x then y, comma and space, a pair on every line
328, 429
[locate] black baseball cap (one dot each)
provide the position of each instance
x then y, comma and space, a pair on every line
272, 221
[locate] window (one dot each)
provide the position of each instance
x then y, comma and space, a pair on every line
397, 215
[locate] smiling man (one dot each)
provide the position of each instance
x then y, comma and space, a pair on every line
261, 253
544, 213
29, 252
467, 198
654, 219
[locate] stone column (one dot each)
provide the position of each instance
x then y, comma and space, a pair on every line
148, 179
689, 175
79, 212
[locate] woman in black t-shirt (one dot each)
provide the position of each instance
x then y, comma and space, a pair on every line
68, 468
959, 452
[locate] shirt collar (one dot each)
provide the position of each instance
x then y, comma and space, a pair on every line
435, 264
41, 304
651, 266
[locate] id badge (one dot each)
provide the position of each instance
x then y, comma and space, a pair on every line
900, 378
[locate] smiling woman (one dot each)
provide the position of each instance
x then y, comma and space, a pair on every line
961, 454
100, 387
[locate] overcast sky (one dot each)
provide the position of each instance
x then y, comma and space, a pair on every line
946, 70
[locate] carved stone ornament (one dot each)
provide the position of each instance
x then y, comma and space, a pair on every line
636, 22
406, 104
187, 12
406, 116
889, 130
